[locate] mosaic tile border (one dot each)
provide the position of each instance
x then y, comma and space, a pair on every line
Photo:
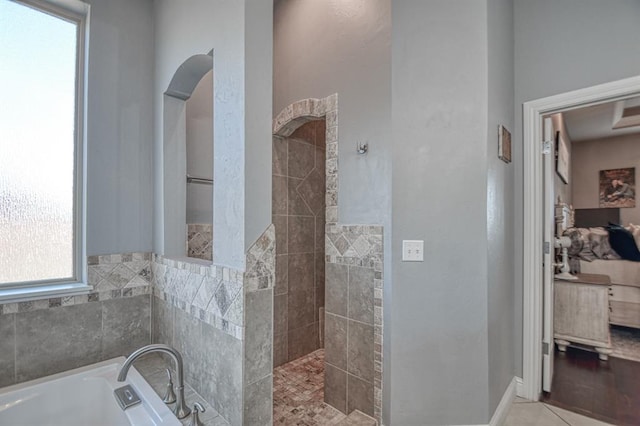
298, 113
130, 275
117, 271
215, 294
210, 293
202, 315
362, 245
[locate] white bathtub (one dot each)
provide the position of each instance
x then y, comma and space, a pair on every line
82, 397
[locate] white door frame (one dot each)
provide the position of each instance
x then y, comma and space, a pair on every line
533, 214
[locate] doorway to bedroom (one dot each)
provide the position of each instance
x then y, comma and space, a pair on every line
590, 336
596, 321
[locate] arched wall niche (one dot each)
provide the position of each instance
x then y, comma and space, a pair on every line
182, 85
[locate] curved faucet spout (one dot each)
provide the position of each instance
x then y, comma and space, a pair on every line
181, 410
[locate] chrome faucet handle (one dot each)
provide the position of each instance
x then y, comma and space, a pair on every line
195, 419
169, 396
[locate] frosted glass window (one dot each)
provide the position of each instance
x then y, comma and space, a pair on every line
38, 181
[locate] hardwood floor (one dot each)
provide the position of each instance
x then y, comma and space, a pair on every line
604, 390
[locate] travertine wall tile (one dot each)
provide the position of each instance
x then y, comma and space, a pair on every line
299, 232
205, 292
354, 258
59, 333
360, 395
259, 280
65, 336
335, 387
7, 350
354, 255
259, 336
200, 240
125, 325
115, 272
260, 410
336, 341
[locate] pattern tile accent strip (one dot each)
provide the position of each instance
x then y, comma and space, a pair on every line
112, 276
210, 293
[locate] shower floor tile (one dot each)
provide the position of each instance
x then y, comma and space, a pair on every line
298, 393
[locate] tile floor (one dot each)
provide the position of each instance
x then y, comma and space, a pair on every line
298, 393
527, 413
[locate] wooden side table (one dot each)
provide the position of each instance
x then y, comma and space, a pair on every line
581, 313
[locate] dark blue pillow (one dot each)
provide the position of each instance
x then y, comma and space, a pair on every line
623, 243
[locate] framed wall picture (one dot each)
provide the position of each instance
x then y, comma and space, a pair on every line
504, 144
562, 158
618, 188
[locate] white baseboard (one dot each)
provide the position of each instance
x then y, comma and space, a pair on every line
502, 410
500, 415
519, 387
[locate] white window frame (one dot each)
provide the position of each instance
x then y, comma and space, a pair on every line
77, 12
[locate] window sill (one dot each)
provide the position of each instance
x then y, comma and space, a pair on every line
27, 294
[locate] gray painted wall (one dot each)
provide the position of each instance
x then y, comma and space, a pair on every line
439, 113
119, 127
321, 48
258, 119
589, 157
501, 286
326, 47
240, 35
174, 167
562, 46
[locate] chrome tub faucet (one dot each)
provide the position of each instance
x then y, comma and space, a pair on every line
181, 410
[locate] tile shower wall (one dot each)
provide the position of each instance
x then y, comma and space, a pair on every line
354, 258
259, 280
48, 336
200, 240
299, 216
353, 347
199, 310
220, 319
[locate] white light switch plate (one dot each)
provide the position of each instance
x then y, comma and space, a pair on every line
412, 250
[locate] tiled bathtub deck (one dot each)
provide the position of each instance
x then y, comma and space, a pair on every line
298, 393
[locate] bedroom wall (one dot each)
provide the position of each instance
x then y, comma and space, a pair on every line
561, 189
592, 156
562, 46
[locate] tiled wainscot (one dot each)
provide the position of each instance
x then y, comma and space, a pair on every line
48, 336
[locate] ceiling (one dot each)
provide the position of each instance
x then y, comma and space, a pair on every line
598, 121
